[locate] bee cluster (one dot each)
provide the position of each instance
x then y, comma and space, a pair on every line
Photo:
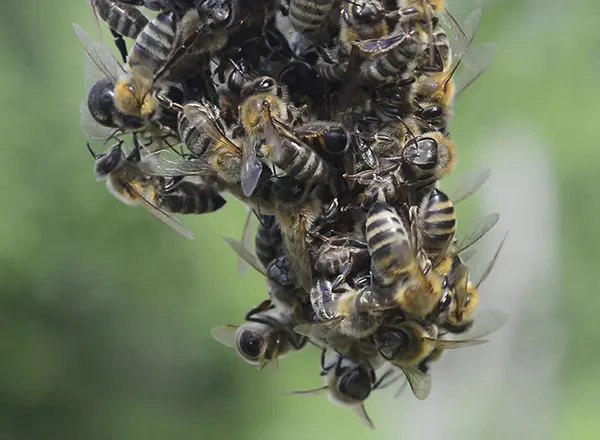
329, 120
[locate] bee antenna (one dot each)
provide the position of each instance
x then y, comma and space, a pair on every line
112, 135
239, 69
93, 153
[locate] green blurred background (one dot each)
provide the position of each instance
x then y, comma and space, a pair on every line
106, 313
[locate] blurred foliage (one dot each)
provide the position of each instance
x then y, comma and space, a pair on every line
106, 313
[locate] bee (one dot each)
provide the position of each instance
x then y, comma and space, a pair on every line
297, 210
124, 97
264, 339
130, 185
214, 156
407, 343
349, 384
460, 316
396, 268
123, 19
329, 139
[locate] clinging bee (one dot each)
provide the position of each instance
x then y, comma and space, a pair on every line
124, 97
349, 384
131, 186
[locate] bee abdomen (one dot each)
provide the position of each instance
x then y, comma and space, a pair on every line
309, 15
267, 240
190, 198
302, 163
331, 72
126, 20
436, 221
388, 244
154, 44
192, 137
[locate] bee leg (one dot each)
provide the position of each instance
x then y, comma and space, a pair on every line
120, 43
379, 384
324, 368
265, 305
342, 276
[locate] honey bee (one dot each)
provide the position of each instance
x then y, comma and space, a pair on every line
395, 266
297, 210
264, 339
407, 343
124, 97
123, 19
460, 316
435, 224
267, 240
214, 155
349, 384
131, 186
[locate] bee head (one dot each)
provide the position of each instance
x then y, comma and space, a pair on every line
216, 13
421, 152
251, 343
355, 383
108, 162
362, 12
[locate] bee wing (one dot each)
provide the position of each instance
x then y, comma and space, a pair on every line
245, 254
90, 127
476, 61
99, 61
273, 139
485, 323
319, 330
446, 344
251, 169
167, 163
420, 383
482, 227
201, 118
468, 183
142, 80
492, 263
466, 255
247, 238
161, 215
225, 334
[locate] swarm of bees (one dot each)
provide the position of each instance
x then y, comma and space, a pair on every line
329, 120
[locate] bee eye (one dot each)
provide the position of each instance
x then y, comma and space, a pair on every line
250, 344
445, 303
467, 300
266, 84
356, 384
432, 113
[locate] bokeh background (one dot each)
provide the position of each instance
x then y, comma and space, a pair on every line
105, 313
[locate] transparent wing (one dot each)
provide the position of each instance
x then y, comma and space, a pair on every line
245, 254
482, 227
247, 239
202, 118
466, 255
319, 330
468, 182
485, 323
142, 80
273, 139
225, 334
492, 263
445, 344
90, 127
168, 163
460, 32
165, 217
99, 62
251, 169
476, 61
420, 383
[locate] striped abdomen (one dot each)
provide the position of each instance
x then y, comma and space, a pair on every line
155, 43
392, 61
191, 137
267, 240
309, 15
436, 223
392, 257
191, 198
121, 18
299, 161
